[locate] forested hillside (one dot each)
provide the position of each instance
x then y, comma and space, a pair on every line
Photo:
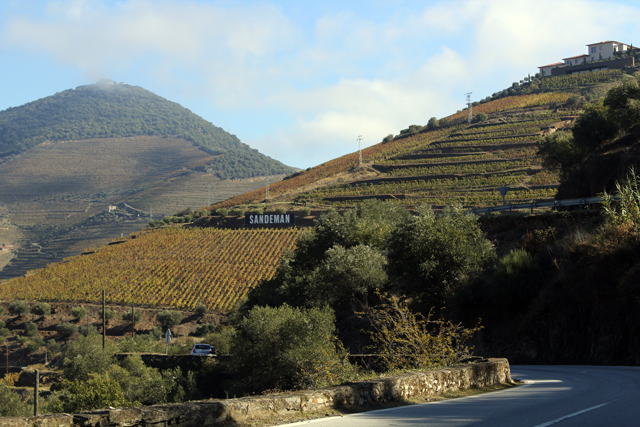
109, 110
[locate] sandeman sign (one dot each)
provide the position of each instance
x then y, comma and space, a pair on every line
270, 220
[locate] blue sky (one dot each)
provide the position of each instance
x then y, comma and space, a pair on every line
300, 80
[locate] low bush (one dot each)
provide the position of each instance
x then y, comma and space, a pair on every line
41, 309
109, 314
79, 312
137, 315
203, 330
201, 309
67, 328
305, 211
31, 329
11, 404
53, 347
169, 318
33, 346
18, 308
237, 212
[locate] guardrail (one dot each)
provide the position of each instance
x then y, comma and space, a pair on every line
553, 204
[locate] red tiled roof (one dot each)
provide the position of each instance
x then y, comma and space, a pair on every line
574, 57
551, 65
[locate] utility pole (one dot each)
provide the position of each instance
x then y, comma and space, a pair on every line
104, 320
36, 393
266, 188
359, 150
469, 107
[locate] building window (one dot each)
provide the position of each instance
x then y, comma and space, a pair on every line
593, 50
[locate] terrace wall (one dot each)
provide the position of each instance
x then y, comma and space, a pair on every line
250, 409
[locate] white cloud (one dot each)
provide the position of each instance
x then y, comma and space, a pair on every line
349, 73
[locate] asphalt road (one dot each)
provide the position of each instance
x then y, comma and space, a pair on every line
560, 396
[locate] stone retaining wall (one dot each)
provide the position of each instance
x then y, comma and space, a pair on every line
213, 412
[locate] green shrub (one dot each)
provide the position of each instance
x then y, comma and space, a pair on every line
85, 356
4, 332
626, 210
281, 211
2, 340
237, 212
33, 346
257, 211
79, 312
388, 138
109, 314
88, 330
1, 310
11, 404
19, 308
287, 348
137, 314
41, 309
156, 332
222, 339
203, 330
181, 346
2, 324
222, 212
305, 211
53, 347
67, 328
169, 318
96, 392
480, 117
141, 343
31, 329
201, 309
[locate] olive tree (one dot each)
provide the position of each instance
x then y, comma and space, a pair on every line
432, 255
287, 348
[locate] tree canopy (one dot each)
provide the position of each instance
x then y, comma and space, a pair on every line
599, 124
377, 246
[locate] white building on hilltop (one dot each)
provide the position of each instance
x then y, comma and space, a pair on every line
603, 51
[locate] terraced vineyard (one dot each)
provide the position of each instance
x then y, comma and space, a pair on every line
464, 167
176, 267
452, 164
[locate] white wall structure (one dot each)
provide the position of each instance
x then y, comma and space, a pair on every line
605, 50
545, 70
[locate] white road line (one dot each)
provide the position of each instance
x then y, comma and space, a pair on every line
574, 414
